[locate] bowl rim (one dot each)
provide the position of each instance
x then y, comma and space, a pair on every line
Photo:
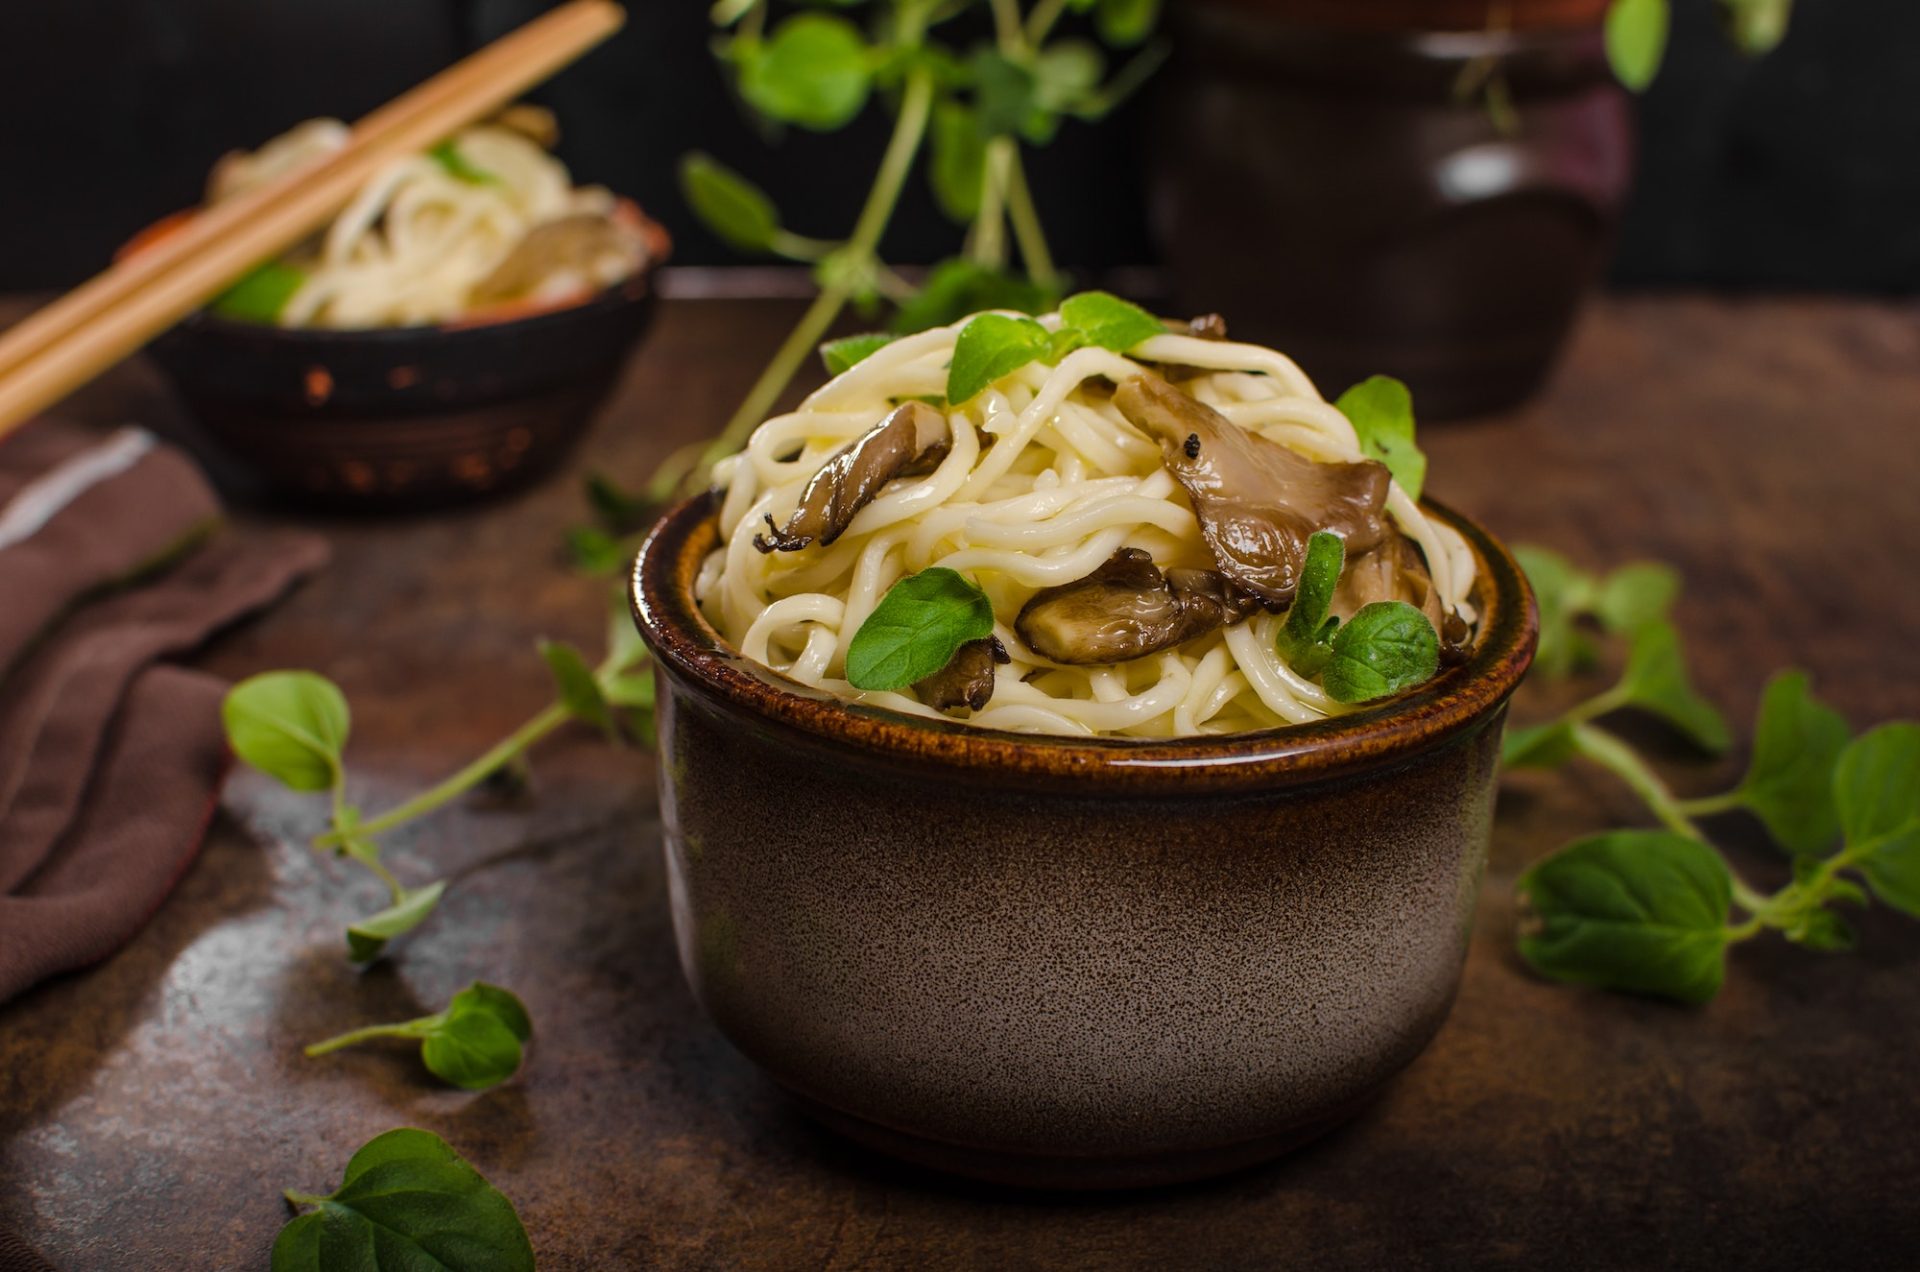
1457, 701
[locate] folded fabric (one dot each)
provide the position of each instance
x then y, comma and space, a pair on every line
109, 764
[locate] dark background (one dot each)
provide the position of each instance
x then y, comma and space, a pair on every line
1800, 171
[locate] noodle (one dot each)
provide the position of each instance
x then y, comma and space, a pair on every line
1044, 481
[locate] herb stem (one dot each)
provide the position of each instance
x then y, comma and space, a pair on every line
987, 243
1008, 32
1041, 21
354, 1037
1027, 230
1708, 805
299, 1199
472, 775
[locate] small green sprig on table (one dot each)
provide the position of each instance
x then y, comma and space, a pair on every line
475, 1043
1655, 911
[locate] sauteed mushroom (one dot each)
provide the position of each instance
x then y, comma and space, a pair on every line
912, 436
1257, 501
1127, 609
1395, 571
967, 679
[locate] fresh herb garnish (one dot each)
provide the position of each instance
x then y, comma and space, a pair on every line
406, 1200
849, 352
1636, 36
458, 166
1305, 638
1621, 602
261, 295
728, 204
1381, 411
1653, 912
992, 346
916, 628
1386, 647
1097, 318
291, 725
815, 70
475, 1043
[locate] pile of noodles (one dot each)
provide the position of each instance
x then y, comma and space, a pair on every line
421, 236
1064, 482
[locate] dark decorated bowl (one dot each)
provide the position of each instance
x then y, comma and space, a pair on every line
398, 418
1071, 963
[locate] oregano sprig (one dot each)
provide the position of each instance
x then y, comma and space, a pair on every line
1655, 911
475, 1043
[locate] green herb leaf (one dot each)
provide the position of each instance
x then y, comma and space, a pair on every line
367, 939
915, 630
1877, 787
1387, 647
1656, 682
479, 1040
1643, 911
1381, 410
848, 352
1822, 930
989, 347
1789, 783
1562, 593
573, 678
1755, 26
1319, 578
1066, 73
291, 725
728, 204
408, 1200
1636, 34
619, 510
1538, 746
957, 163
815, 70
1634, 595
593, 551
457, 166
1108, 321
1007, 94
957, 287
1125, 22
261, 295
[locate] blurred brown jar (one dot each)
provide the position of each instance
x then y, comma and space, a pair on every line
1420, 188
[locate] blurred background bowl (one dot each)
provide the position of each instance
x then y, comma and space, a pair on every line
403, 418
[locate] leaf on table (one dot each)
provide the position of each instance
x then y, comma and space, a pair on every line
1789, 782
1538, 746
1562, 593
1656, 682
291, 725
1876, 785
1636, 594
1643, 911
367, 939
574, 681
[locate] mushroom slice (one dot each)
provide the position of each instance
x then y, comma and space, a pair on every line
1395, 570
1257, 501
581, 251
967, 679
910, 438
1127, 609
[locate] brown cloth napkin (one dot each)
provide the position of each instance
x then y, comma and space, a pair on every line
110, 761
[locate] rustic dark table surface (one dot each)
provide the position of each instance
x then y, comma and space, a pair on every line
152, 1109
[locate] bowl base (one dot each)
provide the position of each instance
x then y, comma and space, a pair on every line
1081, 1173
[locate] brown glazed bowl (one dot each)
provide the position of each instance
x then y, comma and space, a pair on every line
404, 418
1070, 963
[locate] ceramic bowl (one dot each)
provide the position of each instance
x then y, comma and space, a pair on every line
1070, 963
408, 417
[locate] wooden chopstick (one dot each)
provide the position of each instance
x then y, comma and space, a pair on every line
67, 343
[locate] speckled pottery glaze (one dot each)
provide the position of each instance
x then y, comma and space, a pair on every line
1070, 963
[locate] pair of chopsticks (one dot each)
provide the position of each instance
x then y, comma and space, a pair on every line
58, 348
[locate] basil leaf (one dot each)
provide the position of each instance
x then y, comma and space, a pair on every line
989, 347
1634, 595
1319, 577
408, 1200
1877, 787
915, 630
728, 204
848, 352
1109, 322
367, 939
472, 1052
291, 725
573, 679
457, 166
1125, 22
957, 287
1636, 35
1562, 594
261, 295
1386, 647
1656, 682
957, 164
1538, 746
1638, 910
1381, 410
1789, 782
814, 71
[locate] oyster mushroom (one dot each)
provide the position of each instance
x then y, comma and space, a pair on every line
1127, 609
912, 437
967, 679
1257, 501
